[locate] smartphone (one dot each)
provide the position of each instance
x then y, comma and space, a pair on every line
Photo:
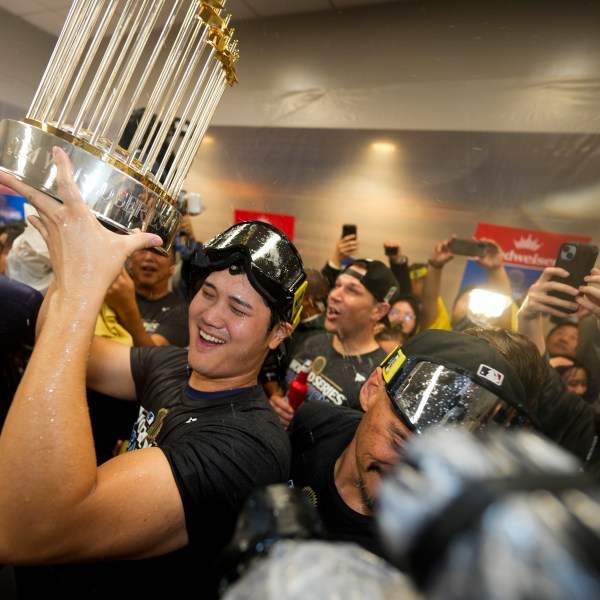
577, 258
348, 230
466, 247
391, 250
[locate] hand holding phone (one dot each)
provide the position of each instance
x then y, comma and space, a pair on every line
577, 258
348, 229
466, 247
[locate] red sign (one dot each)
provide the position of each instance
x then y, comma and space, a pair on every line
283, 222
526, 254
525, 247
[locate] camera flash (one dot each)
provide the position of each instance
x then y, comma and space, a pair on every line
485, 306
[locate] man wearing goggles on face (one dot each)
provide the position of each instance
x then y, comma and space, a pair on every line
481, 379
205, 436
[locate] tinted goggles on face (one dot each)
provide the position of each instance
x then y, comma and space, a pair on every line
425, 394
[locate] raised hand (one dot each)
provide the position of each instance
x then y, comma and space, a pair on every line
538, 299
494, 256
344, 247
441, 253
538, 302
284, 411
84, 253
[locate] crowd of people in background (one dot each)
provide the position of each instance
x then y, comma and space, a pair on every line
363, 323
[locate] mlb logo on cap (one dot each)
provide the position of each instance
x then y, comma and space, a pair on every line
490, 374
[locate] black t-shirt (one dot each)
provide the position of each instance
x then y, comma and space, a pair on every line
112, 418
319, 433
167, 316
219, 446
334, 378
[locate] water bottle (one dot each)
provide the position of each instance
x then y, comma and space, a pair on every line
298, 387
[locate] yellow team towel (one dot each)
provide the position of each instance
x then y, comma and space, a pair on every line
108, 326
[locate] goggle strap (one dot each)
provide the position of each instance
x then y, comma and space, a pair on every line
297, 305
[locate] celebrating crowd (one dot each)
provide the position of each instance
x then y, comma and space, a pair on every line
144, 416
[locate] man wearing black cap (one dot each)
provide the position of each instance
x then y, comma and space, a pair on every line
345, 355
205, 436
483, 379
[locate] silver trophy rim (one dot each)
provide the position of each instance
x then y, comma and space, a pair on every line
121, 199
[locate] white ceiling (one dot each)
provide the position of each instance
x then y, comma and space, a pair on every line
50, 15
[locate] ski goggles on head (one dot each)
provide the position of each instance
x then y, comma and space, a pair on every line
272, 264
426, 394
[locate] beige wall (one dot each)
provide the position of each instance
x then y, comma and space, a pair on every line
25, 51
514, 75
436, 65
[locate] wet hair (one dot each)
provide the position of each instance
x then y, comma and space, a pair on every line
318, 286
522, 354
392, 334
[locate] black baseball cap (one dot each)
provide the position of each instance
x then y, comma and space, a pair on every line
378, 279
441, 377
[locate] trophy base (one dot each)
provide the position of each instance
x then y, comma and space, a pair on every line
119, 200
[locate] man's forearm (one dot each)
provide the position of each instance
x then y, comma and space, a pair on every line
50, 419
533, 328
431, 290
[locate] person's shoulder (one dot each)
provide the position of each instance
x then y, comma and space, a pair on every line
320, 340
174, 301
175, 298
442, 320
170, 299
322, 335
162, 354
322, 413
321, 424
378, 352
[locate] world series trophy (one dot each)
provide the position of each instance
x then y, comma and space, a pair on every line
131, 144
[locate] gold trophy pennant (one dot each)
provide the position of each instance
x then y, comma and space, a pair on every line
129, 93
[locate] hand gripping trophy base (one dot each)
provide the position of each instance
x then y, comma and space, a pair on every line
121, 199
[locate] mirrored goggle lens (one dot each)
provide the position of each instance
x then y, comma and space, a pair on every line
430, 395
271, 255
